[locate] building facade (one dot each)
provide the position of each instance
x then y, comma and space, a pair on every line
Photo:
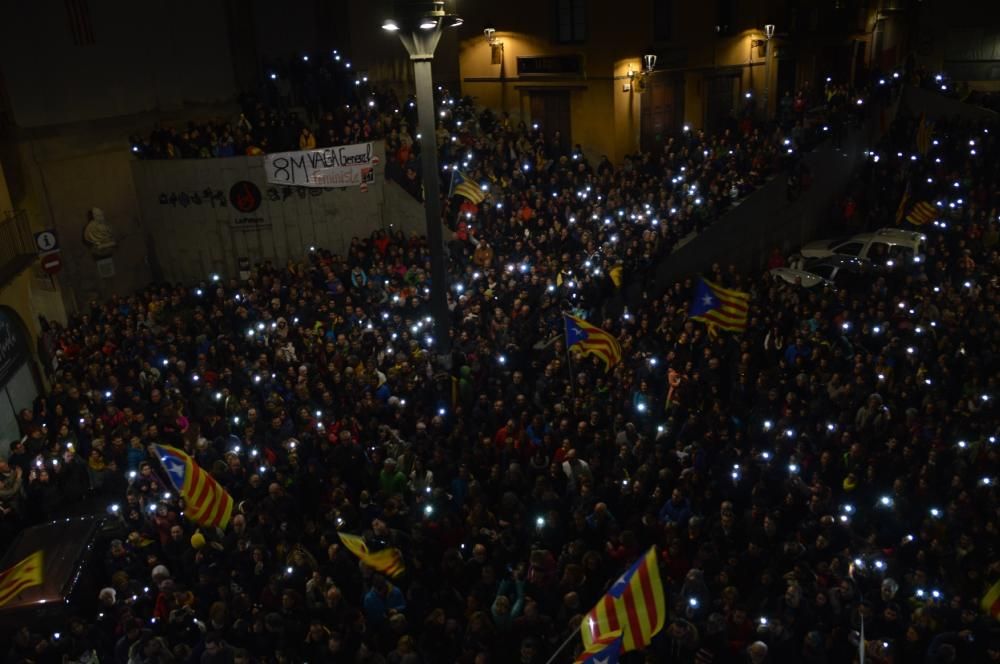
578, 66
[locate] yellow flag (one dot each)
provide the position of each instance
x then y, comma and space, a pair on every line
387, 561
25, 574
616, 275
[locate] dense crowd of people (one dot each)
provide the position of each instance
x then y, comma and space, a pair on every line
300, 104
835, 464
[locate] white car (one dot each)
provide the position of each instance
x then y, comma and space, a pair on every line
886, 245
828, 271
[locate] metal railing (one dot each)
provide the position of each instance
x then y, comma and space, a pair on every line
17, 244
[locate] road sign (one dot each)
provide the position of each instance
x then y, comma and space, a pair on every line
45, 241
52, 262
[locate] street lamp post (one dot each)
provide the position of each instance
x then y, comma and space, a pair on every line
768, 33
419, 26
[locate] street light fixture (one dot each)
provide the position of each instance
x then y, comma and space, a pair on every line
419, 24
649, 61
768, 34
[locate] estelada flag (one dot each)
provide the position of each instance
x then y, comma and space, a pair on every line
592, 340
208, 503
635, 605
387, 561
604, 650
21, 576
723, 307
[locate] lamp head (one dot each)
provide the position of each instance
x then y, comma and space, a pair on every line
649, 61
769, 30
422, 14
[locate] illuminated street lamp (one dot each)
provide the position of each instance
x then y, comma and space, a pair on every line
418, 25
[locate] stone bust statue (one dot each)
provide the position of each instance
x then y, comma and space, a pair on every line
97, 234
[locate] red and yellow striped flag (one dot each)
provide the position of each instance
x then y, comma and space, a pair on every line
635, 604
21, 576
387, 561
604, 650
723, 307
922, 213
207, 502
592, 340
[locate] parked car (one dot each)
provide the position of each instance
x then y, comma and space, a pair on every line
884, 247
828, 271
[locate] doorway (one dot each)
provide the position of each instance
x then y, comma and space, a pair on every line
660, 114
18, 387
720, 109
787, 78
550, 109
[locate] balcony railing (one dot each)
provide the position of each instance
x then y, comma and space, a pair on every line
17, 245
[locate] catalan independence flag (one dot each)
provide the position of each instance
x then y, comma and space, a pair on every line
462, 185
603, 650
635, 607
592, 340
386, 561
208, 503
723, 307
921, 213
21, 576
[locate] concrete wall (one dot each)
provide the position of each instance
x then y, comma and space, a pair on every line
919, 101
192, 239
745, 236
401, 211
60, 172
73, 186
135, 56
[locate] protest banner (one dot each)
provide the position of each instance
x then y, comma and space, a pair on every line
342, 166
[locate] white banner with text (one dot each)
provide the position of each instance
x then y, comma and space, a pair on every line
341, 166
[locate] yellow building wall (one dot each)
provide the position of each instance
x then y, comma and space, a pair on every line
606, 120
24, 293
6, 208
627, 107
603, 119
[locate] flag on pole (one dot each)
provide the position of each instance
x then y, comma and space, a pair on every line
925, 130
991, 601
462, 185
604, 650
592, 340
635, 606
208, 503
21, 576
386, 561
904, 201
861, 642
723, 307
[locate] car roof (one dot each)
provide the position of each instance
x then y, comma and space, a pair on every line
901, 233
839, 261
891, 236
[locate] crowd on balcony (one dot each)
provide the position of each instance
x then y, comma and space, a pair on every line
832, 465
300, 103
